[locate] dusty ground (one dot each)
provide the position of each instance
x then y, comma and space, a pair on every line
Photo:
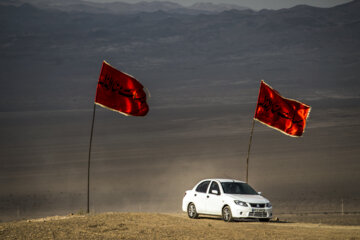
347, 219
167, 226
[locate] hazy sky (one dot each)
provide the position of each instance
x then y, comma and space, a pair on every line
254, 4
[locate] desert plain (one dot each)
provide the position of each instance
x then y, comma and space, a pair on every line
176, 226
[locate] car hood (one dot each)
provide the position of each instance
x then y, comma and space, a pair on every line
248, 198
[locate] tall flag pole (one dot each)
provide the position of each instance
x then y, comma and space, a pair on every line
248, 154
119, 92
283, 114
89, 156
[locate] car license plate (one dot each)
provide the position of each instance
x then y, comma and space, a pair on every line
258, 210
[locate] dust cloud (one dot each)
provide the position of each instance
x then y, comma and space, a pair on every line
146, 164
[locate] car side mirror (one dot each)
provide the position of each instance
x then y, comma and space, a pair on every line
214, 192
259, 193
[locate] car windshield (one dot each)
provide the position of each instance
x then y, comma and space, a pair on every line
238, 188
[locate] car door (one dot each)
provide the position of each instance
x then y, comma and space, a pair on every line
214, 201
199, 197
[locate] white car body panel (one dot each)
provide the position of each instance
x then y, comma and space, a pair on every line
199, 200
212, 204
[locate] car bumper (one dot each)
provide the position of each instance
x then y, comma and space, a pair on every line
184, 206
185, 203
247, 212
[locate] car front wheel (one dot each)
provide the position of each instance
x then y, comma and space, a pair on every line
192, 213
226, 214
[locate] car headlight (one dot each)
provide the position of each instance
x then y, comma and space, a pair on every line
241, 203
268, 205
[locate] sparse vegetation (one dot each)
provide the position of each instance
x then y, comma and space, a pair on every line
81, 212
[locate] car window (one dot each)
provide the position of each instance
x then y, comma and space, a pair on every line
238, 188
214, 186
202, 187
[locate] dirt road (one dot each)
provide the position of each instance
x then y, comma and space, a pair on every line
166, 226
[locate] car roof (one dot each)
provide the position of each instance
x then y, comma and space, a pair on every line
221, 180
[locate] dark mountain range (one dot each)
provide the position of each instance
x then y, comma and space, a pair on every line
211, 7
304, 46
124, 8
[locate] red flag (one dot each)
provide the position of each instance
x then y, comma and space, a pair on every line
287, 115
120, 92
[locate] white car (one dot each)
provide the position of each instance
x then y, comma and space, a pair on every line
231, 199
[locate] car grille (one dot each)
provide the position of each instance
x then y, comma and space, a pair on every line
257, 214
257, 205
